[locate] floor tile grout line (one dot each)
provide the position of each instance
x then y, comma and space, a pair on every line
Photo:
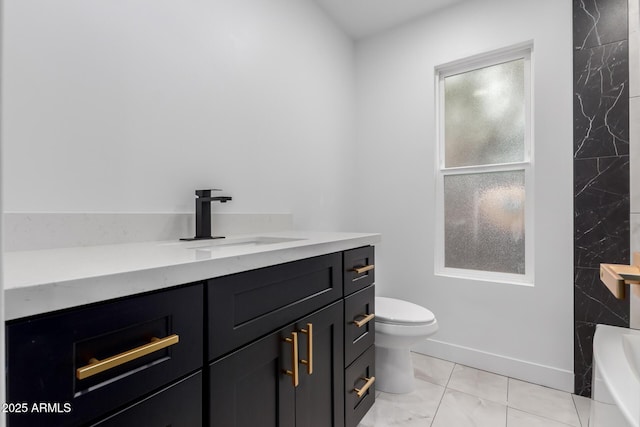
506, 414
506, 403
575, 404
435, 414
503, 402
576, 408
506, 417
545, 418
481, 370
487, 371
434, 380
474, 396
542, 416
450, 375
507, 407
446, 387
478, 397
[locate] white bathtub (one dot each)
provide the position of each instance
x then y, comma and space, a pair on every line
616, 377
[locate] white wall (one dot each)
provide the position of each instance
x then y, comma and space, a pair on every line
526, 332
129, 106
2, 355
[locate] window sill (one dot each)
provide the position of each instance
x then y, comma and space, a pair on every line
486, 276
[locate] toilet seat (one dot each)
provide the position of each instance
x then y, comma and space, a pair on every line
393, 311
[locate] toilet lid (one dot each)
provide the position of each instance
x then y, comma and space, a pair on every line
399, 312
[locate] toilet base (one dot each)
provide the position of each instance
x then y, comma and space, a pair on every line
394, 370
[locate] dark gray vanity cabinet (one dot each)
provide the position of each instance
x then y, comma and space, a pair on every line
285, 345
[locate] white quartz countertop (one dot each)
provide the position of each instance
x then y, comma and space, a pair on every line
41, 281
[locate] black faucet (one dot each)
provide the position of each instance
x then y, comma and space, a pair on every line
203, 214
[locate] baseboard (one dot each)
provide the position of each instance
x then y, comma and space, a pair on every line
547, 376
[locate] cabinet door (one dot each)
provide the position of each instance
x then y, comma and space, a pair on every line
248, 387
320, 395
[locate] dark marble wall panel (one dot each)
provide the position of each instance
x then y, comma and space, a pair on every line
601, 102
593, 303
601, 170
583, 342
601, 211
599, 22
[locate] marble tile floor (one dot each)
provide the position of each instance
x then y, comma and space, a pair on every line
452, 395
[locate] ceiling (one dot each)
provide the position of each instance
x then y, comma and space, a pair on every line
361, 18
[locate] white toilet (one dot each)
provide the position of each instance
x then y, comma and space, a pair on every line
399, 325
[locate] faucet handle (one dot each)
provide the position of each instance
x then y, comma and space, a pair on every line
206, 193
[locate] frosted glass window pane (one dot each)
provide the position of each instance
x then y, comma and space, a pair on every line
484, 221
484, 115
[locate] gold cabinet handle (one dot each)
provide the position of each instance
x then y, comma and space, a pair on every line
360, 270
96, 366
366, 319
295, 379
363, 390
309, 361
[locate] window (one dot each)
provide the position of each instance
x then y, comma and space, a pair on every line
484, 173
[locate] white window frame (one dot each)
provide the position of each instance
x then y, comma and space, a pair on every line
521, 51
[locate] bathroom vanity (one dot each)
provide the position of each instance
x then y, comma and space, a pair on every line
264, 330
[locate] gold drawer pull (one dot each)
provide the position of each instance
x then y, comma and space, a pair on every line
360, 270
295, 380
363, 390
309, 361
367, 318
96, 366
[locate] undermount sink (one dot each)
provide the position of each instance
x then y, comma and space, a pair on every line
236, 242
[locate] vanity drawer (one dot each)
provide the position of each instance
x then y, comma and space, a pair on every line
249, 305
359, 323
359, 270
179, 405
49, 358
357, 377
